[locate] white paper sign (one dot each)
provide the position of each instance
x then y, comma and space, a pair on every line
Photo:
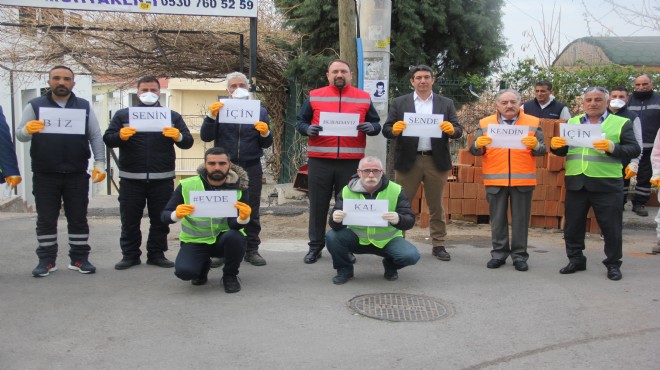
580, 135
365, 212
241, 111
422, 125
214, 203
507, 136
339, 124
377, 89
63, 121
149, 119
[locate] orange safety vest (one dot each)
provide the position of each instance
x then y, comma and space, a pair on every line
510, 167
347, 100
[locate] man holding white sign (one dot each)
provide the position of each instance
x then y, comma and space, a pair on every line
424, 156
146, 136
509, 171
371, 199
594, 179
59, 164
206, 237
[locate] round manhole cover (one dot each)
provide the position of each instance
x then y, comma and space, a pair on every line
400, 307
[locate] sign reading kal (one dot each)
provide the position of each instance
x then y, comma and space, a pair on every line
365, 212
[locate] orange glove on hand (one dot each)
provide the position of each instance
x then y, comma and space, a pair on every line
606, 145
214, 109
13, 181
262, 127
172, 132
655, 181
183, 210
557, 142
244, 211
398, 128
530, 142
631, 170
126, 132
447, 127
98, 173
34, 126
482, 141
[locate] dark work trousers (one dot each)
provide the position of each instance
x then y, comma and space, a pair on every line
644, 173
520, 198
50, 190
133, 195
255, 175
626, 182
192, 258
608, 208
326, 177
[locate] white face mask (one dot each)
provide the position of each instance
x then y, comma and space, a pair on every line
240, 93
617, 103
148, 98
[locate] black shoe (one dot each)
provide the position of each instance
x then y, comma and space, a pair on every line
45, 267
217, 262
351, 257
520, 265
342, 278
254, 258
203, 278
127, 263
441, 253
640, 210
495, 263
391, 273
82, 265
312, 256
614, 273
160, 262
572, 268
231, 283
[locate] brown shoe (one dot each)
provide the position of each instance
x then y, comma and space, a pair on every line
441, 253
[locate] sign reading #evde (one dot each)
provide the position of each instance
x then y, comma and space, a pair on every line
214, 203
149, 119
422, 125
365, 212
239, 111
580, 135
63, 121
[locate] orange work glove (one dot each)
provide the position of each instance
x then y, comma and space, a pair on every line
398, 128
447, 127
557, 142
215, 108
631, 170
482, 141
244, 211
655, 181
34, 126
183, 210
172, 132
530, 142
98, 173
126, 132
262, 127
606, 145
13, 181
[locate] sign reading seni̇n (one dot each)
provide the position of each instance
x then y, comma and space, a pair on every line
221, 8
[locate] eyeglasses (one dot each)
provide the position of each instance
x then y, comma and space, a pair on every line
374, 171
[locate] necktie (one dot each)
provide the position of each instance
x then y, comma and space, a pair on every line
508, 121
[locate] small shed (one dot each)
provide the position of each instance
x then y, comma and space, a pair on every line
636, 51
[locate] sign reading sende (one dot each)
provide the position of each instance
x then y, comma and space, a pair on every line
220, 8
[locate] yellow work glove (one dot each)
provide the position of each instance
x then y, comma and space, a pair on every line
482, 141
447, 127
631, 170
262, 127
173, 133
606, 145
215, 108
557, 142
98, 173
655, 181
398, 128
244, 211
13, 181
34, 126
126, 132
530, 142
183, 210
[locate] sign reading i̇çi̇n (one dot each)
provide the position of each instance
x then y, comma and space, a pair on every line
240, 111
580, 135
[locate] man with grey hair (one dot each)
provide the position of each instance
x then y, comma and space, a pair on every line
509, 175
594, 179
386, 241
245, 145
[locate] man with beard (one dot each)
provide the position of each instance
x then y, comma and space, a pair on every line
544, 104
206, 237
146, 172
646, 103
332, 160
386, 241
59, 166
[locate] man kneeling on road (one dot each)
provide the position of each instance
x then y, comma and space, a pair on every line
206, 237
388, 241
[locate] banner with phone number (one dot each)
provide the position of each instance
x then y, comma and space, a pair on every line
220, 8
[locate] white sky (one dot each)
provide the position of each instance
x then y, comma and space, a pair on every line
524, 15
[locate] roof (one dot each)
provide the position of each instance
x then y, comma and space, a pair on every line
632, 50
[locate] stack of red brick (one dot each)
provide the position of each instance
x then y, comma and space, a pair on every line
465, 195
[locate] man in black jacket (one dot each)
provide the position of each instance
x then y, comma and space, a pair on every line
424, 159
387, 241
544, 104
146, 172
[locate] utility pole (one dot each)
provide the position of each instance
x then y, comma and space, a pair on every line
347, 35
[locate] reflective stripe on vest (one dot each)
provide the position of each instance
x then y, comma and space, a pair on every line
378, 236
494, 176
591, 162
145, 176
336, 99
322, 149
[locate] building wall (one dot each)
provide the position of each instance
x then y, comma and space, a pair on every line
582, 52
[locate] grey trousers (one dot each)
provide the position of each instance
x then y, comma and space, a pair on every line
521, 205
